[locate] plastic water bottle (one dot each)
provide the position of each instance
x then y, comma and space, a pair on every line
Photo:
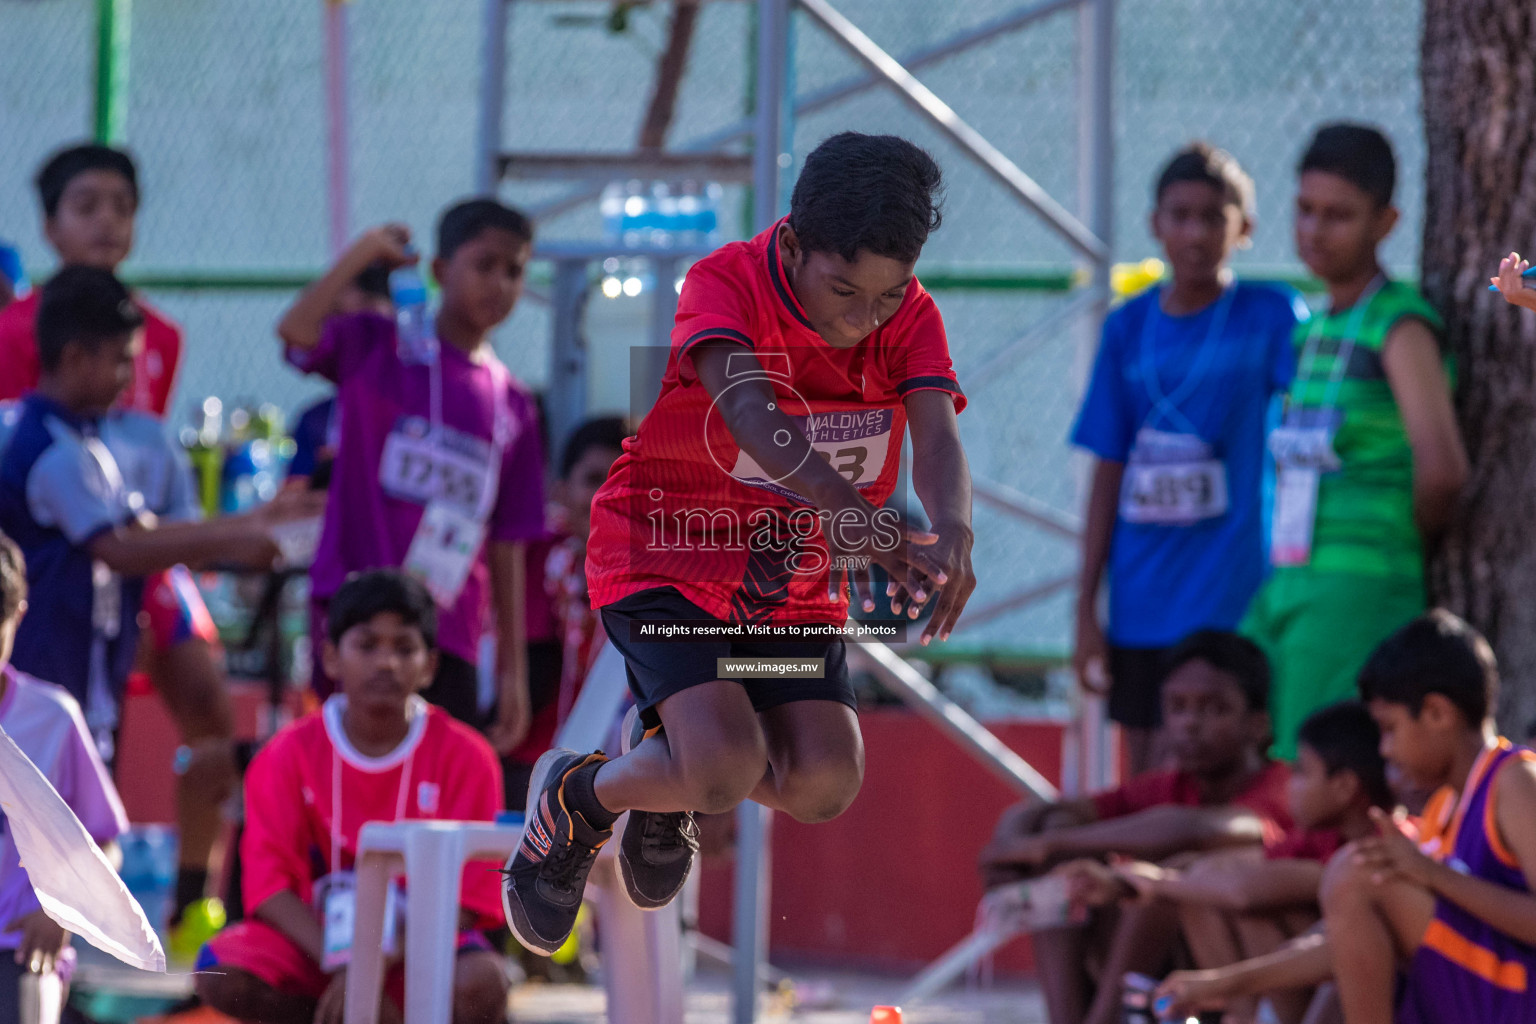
612, 208
709, 218
635, 220
238, 492
414, 339
664, 216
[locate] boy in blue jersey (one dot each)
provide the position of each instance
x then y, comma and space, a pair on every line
84, 521
1175, 415
1456, 913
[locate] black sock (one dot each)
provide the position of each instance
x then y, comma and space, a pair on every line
581, 797
191, 883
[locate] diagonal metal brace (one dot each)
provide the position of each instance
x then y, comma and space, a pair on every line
972, 142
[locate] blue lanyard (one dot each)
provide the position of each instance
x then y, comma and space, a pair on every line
1167, 406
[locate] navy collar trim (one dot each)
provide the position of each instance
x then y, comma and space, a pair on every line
780, 281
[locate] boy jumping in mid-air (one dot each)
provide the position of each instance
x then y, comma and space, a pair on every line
797, 362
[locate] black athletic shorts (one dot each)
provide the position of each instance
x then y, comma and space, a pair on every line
1136, 686
659, 668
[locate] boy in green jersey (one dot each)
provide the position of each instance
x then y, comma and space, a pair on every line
1369, 460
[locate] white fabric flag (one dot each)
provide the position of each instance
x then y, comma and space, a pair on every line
73, 880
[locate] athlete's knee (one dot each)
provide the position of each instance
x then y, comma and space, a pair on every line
822, 791
720, 776
1346, 883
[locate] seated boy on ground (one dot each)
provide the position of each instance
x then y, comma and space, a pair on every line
47, 725
1223, 793
1245, 903
1451, 935
374, 752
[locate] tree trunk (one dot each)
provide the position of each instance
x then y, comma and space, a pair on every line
1478, 69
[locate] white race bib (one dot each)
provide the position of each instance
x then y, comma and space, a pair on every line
444, 549
452, 468
1290, 539
855, 443
337, 893
1172, 480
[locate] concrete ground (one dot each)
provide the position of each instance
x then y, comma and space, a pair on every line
824, 998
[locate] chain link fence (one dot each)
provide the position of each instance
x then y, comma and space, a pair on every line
225, 111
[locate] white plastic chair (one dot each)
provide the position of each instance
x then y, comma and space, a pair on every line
642, 949
432, 855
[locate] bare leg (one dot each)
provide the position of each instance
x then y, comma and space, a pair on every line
1059, 957
815, 759
711, 758
192, 686
1260, 935
1142, 942
1372, 928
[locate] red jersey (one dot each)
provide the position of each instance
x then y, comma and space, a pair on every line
685, 507
443, 771
1264, 796
154, 370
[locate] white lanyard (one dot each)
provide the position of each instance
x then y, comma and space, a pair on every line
501, 429
1346, 350
400, 801
1167, 406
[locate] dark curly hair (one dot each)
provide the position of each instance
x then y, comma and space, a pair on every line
867, 193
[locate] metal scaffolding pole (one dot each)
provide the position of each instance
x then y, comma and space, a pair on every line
753, 821
838, 91
493, 91
1096, 161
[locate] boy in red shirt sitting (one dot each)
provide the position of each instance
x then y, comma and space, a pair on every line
1224, 792
374, 752
1244, 903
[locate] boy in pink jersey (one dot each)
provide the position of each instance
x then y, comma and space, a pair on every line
48, 726
374, 752
1449, 936
440, 468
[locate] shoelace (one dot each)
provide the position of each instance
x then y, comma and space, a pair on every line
564, 867
672, 831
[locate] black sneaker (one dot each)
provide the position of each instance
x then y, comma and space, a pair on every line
544, 878
656, 851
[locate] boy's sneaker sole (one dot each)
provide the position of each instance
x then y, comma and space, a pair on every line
552, 765
653, 877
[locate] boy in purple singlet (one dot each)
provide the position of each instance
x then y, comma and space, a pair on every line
441, 471
1460, 925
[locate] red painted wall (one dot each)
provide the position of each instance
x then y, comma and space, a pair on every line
892, 883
